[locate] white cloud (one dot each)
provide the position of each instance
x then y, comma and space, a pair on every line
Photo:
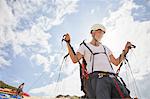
51, 75
121, 27
39, 16
6, 21
41, 60
6, 11
92, 11
4, 62
69, 85
61, 8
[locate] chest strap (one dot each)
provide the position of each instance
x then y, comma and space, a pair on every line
93, 54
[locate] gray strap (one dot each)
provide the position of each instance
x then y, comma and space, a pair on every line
107, 57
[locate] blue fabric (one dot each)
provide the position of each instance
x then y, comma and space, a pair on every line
14, 96
5, 96
2, 94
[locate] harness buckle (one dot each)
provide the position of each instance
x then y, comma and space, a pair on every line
100, 75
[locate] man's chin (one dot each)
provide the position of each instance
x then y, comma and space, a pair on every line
98, 40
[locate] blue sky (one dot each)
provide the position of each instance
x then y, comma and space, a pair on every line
31, 32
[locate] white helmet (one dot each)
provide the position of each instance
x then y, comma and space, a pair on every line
98, 26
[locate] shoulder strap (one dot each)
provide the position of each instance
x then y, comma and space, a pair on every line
105, 52
87, 46
92, 54
107, 56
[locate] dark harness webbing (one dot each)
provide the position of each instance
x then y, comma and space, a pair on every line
93, 54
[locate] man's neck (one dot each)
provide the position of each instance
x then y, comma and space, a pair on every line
95, 42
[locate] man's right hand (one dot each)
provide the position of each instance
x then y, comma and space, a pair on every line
67, 38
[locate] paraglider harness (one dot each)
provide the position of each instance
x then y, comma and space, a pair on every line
84, 75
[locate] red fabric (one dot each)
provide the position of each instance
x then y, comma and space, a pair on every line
13, 92
84, 72
118, 88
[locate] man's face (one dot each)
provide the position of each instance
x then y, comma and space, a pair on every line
98, 34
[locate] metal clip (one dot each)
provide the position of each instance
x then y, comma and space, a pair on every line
99, 75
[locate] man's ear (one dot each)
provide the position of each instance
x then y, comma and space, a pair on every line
91, 31
93, 34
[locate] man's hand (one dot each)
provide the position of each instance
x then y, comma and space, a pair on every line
67, 38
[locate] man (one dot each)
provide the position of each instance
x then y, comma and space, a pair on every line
20, 89
102, 82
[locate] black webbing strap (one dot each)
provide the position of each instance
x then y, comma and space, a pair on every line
93, 54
